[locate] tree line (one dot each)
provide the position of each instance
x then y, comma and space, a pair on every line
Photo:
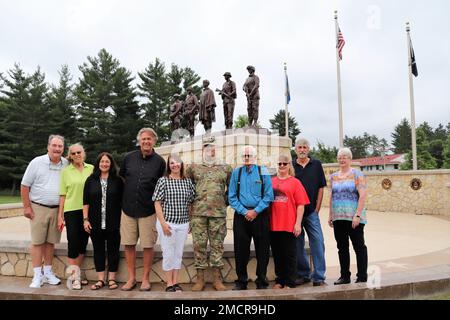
433, 146
103, 110
107, 105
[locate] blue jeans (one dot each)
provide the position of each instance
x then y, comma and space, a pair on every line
311, 224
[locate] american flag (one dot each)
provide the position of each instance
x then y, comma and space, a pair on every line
340, 43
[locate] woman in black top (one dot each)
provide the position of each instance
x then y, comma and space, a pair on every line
102, 203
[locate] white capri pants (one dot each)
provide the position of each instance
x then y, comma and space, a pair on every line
172, 246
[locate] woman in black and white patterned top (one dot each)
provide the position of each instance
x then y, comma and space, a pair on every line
173, 196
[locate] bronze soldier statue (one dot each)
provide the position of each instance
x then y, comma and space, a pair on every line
176, 113
190, 110
251, 89
228, 94
207, 114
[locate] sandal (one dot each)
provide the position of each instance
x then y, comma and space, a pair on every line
177, 287
112, 284
84, 282
170, 289
98, 285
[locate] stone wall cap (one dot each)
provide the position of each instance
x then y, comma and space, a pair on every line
11, 206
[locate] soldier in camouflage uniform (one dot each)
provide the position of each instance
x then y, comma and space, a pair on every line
209, 215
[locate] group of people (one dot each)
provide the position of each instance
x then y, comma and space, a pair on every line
149, 198
205, 107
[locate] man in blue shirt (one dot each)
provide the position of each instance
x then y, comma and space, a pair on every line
250, 193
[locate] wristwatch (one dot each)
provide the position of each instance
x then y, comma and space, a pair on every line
86, 219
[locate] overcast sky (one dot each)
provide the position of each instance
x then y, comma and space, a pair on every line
215, 36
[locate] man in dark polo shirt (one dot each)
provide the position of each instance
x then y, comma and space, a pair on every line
310, 173
141, 169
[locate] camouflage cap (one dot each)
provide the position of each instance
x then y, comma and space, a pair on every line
251, 68
176, 95
189, 88
207, 141
227, 74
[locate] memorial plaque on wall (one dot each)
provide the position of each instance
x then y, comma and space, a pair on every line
415, 184
386, 184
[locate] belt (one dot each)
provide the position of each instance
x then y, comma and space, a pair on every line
44, 205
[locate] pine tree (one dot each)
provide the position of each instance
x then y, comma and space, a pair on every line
62, 104
279, 123
402, 137
440, 133
125, 122
428, 130
424, 159
107, 108
158, 87
23, 127
155, 89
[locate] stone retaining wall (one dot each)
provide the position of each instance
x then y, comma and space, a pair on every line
19, 264
393, 191
11, 210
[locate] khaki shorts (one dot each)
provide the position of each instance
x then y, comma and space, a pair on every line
132, 229
44, 225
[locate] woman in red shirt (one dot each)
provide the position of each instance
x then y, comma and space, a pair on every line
285, 222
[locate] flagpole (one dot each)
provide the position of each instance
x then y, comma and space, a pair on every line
286, 116
411, 99
341, 130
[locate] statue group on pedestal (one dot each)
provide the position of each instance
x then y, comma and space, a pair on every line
205, 108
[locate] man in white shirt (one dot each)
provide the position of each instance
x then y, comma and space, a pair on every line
40, 196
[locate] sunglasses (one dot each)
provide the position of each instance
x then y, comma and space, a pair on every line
76, 152
283, 164
247, 156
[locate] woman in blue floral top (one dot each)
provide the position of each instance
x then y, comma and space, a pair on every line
348, 216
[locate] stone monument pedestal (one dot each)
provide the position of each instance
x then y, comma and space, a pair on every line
229, 142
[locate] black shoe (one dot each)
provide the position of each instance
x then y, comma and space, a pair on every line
360, 280
341, 281
301, 281
239, 286
318, 283
262, 286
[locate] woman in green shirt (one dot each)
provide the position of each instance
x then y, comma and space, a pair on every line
71, 204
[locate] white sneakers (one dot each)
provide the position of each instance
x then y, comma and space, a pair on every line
50, 278
39, 279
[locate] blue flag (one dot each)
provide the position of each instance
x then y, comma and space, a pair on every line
288, 94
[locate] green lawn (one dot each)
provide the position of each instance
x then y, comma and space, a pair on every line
9, 199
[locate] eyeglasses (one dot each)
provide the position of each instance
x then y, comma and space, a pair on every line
283, 164
76, 152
